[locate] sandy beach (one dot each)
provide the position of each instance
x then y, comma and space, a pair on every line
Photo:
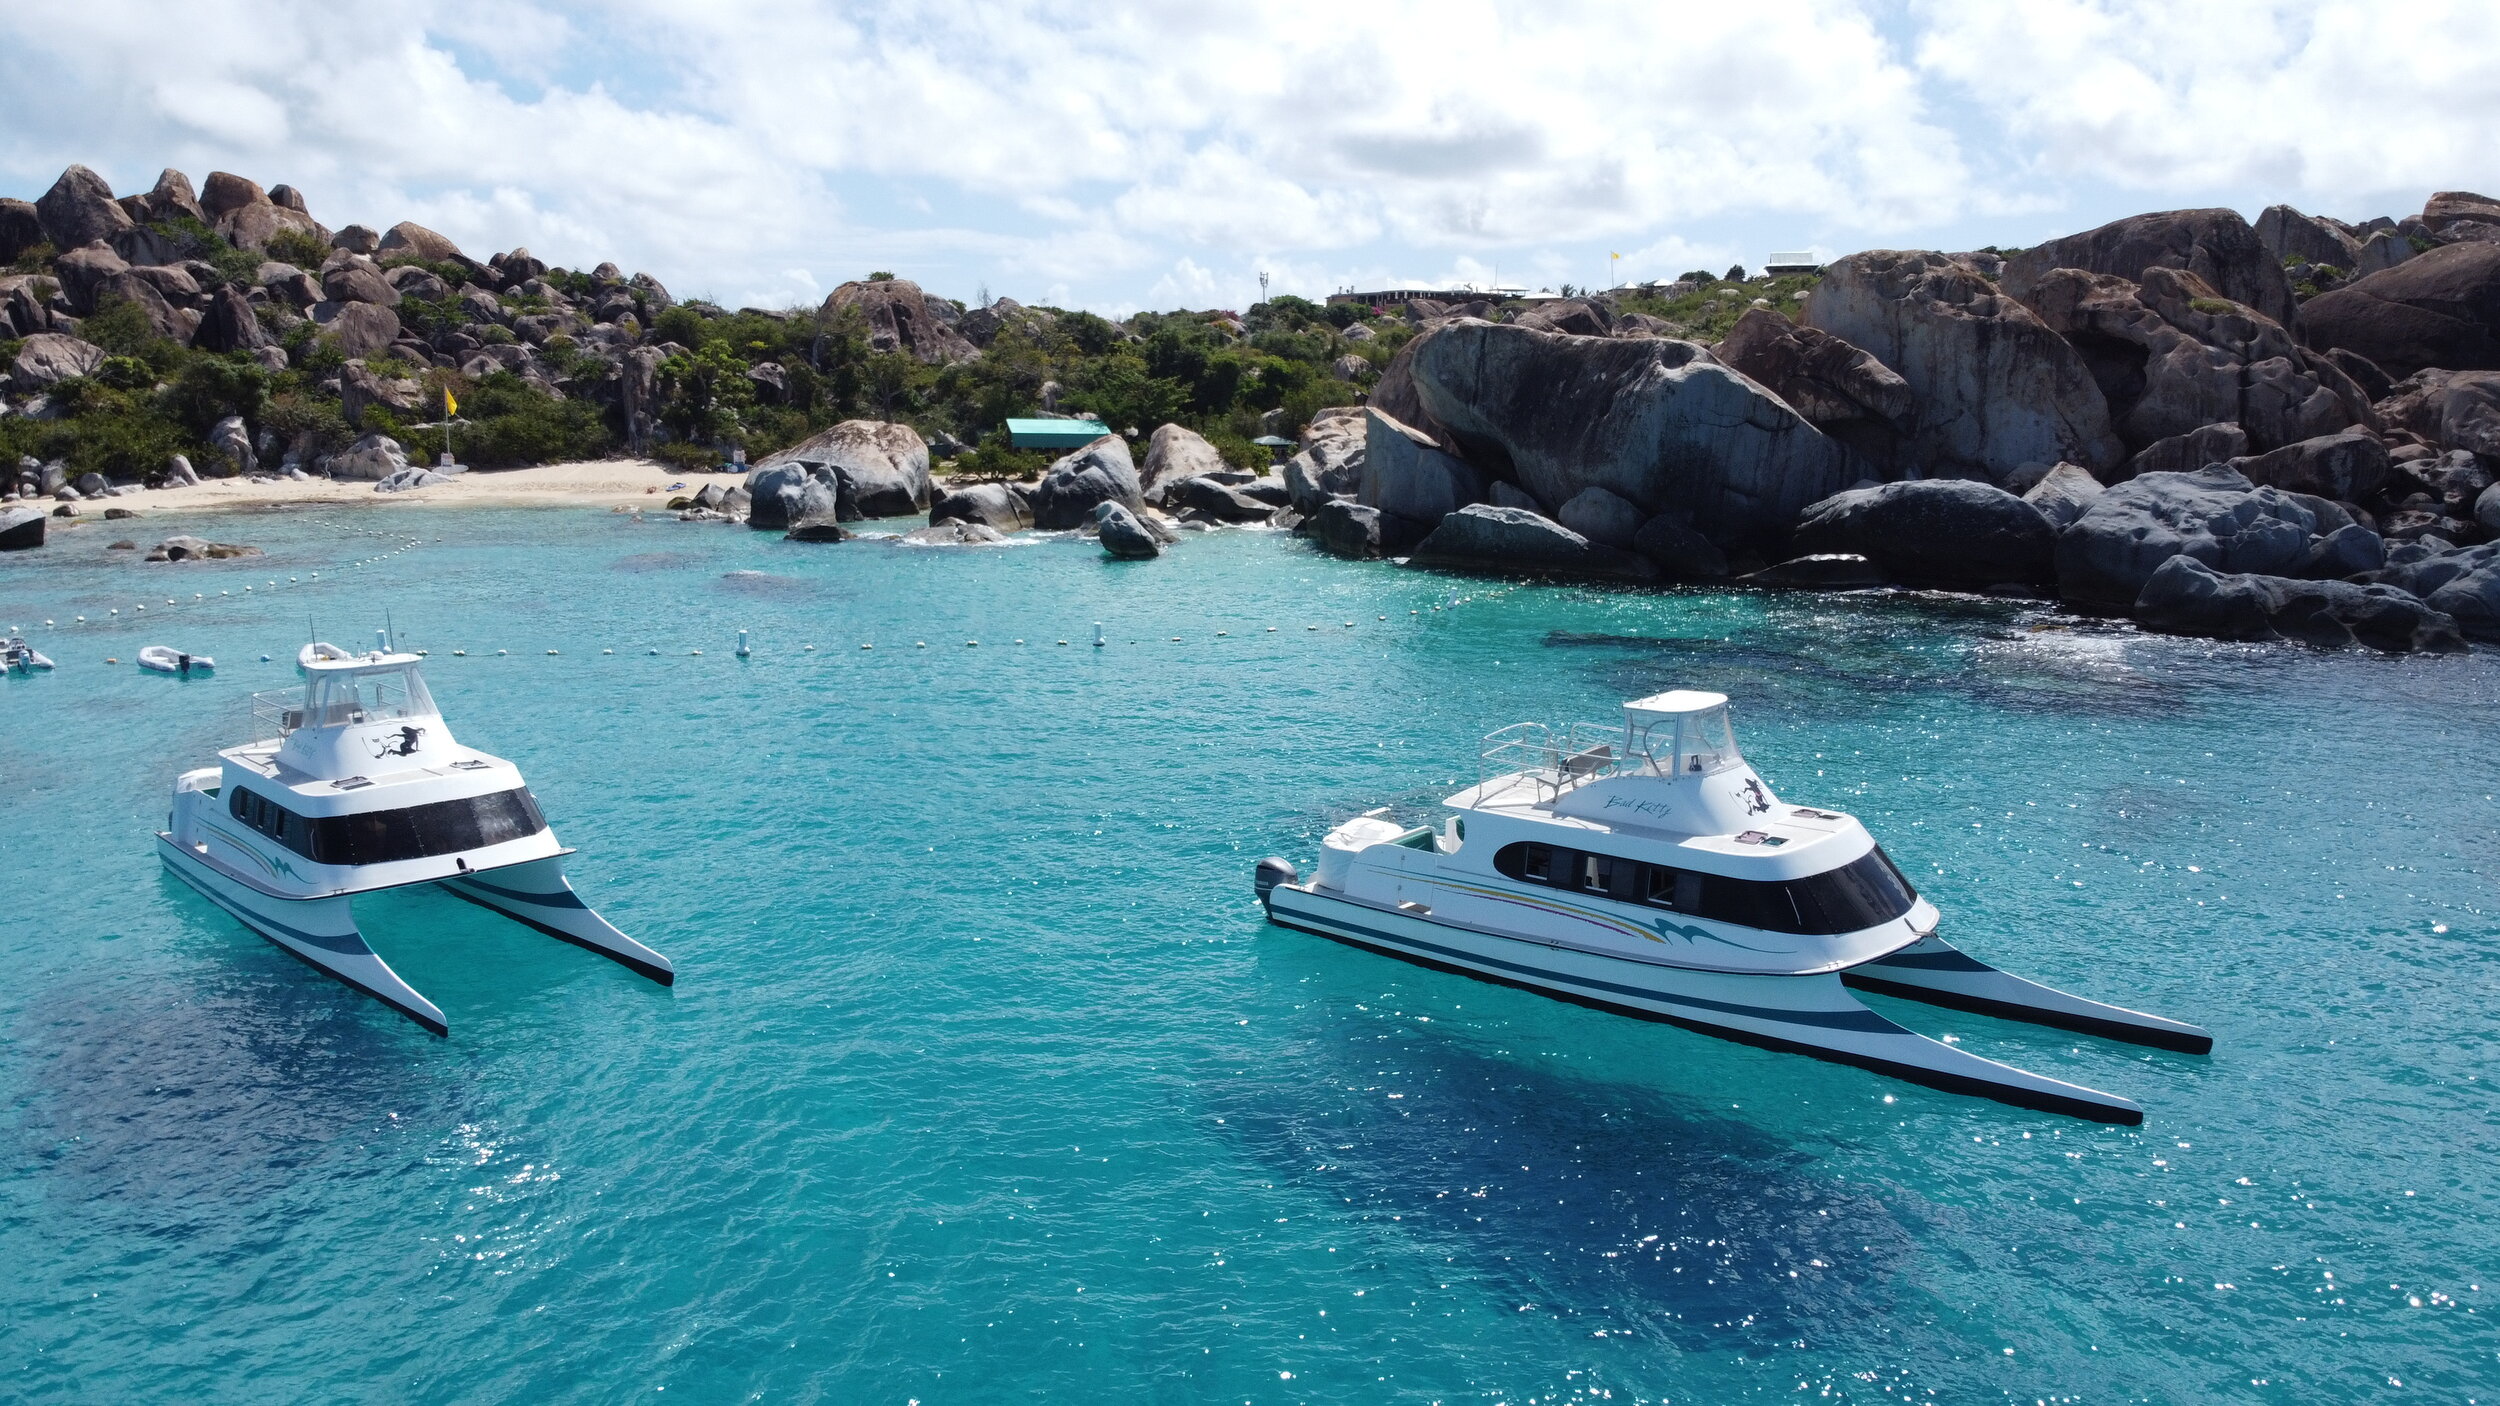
602, 483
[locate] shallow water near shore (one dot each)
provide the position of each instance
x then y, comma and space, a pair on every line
983, 1079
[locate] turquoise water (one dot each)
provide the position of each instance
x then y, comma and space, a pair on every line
984, 1081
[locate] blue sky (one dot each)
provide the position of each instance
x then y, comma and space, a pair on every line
1120, 155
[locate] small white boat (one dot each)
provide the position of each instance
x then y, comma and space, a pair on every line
19, 657
363, 788
1647, 869
173, 661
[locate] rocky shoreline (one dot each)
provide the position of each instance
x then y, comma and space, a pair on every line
2285, 430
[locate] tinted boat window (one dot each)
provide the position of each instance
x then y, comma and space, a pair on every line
1866, 893
385, 836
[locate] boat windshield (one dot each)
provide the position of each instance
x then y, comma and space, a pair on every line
1686, 744
365, 695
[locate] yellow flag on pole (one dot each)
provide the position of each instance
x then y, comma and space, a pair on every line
451, 407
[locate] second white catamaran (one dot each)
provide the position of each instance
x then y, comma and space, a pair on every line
1647, 869
362, 789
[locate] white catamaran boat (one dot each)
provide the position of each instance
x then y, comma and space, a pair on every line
1647, 869
363, 788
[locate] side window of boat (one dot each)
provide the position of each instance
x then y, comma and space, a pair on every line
1748, 903
1679, 889
1531, 862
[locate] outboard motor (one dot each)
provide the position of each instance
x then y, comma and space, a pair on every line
1271, 872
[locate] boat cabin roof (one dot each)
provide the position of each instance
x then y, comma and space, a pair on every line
1674, 703
330, 661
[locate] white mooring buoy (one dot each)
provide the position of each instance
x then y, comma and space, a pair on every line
1099, 641
743, 651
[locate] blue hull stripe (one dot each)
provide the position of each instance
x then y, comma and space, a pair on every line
1860, 1020
348, 945
1955, 961
561, 898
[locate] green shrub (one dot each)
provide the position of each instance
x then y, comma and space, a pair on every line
299, 247
690, 458
210, 388
126, 373
682, 325
994, 460
35, 258
119, 434
120, 327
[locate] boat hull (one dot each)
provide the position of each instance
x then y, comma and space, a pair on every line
320, 931
1940, 974
537, 893
1812, 1014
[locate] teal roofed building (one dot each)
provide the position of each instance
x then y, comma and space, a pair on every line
1054, 434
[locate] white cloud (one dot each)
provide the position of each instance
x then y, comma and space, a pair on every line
1113, 148
2331, 102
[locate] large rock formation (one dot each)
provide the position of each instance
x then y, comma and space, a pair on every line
229, 324
2464, 584
373, 458
246, 217
2064, 493
994, 505
1952, 533
1656, 422
2440, 309
2215, 245
883, 468
21, 529
2349, 467
2187, 597
1100, 472
898, 319
172, 198
1481, 537
1345, 528
1172, 454
410, 240
1603, 518
1996, 389
21, 229
1329, 464
79, 209
2453, 216
1574, 316
357, 329
1219, 501
51, 357
2206, 444
773, 495
353, 278
1407, 477
2213, 514
1122, 534
2171, 355
2289, 235
148, 296
2452, 409
1842, 389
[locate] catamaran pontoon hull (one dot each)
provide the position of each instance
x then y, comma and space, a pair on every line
1813, 1015
322, 931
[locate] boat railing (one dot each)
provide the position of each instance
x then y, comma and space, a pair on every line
1548, 760
277, 712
